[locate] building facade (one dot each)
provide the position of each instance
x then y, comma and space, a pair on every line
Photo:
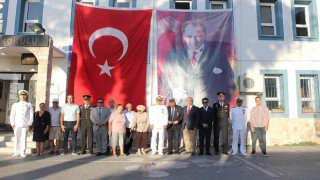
277, 49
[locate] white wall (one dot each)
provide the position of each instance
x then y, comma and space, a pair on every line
250, 48
14, 65
59, 80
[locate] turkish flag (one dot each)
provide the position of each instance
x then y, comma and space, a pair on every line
109, 54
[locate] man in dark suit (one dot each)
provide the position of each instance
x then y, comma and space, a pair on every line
205, 126
221, 122
190, 125
196, 69
175, 118
86, 126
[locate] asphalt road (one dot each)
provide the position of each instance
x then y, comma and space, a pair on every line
282, 163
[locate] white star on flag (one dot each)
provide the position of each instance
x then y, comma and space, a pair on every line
105, 68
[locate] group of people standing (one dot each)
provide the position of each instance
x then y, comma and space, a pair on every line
115, 126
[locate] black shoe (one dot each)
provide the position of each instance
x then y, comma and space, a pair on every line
51, 152
56, 153
209, 154
99, 154
253, 152
91, 152
83, 152
201, 153
193, 154
216, 153
176, 153
265, 154
104, 154
169, 153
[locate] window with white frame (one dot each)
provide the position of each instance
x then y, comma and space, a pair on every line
31, 14
267, 14
274, 92
123, 3
309, 89
218, 5
2, 4
92, 2
302, 20
182, 4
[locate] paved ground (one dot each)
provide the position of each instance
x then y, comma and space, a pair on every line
283, 163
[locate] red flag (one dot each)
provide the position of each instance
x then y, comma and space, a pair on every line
109, 54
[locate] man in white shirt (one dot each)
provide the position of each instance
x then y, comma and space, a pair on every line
129, 115
112, 109
69, 122
158, 116
55, 130
239, 126
112, 106
21, 118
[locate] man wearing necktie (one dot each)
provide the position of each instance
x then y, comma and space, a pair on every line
205, 126
196, 69
86, 125
99, 117
175, 118
221, 123
190, 125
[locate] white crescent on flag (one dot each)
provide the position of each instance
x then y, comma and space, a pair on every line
108, 31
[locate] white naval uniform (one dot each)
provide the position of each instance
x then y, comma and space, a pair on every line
158, 116
239, 119
21, 117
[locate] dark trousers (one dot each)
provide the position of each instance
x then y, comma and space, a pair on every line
173, 139
128, 142
141, 139
259, 132
86, 134
224, 134
205, 133
69, 128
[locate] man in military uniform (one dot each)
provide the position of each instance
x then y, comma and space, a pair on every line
86, 126
158, 116
21, 118
221, 122
239, 119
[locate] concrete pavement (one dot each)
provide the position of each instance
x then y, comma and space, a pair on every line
283, 163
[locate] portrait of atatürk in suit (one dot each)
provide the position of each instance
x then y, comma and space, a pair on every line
196, 69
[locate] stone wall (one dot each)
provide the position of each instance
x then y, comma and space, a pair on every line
288, 131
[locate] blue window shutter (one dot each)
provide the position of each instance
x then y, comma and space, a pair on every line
194, 4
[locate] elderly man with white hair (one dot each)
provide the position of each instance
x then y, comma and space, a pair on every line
21, 118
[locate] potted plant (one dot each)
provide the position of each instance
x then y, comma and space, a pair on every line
279, 109
307, 109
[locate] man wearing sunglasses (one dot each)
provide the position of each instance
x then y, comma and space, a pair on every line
99, 117
205, 126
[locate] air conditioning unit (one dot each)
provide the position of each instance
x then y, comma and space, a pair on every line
251, 83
